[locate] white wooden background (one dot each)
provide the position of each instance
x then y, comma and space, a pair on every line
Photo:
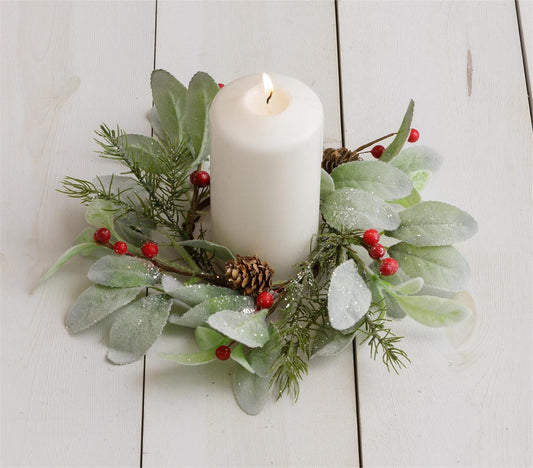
466, 399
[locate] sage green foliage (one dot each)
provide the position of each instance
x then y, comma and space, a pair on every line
433, 311
195, 294
331, 342
412, 199
143, 152
434, 223
375, 177
401, 137
262, 359
123, 272
137, 327
327, 185
441, 267
417, 158
199, 314
251, 390
214, 250
244, 326
237, 354
96, 303
192, 359
100, 213
206, 338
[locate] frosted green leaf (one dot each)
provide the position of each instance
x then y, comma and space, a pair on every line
128, 188
393, 308
123, 272
169, 99
155, 122
434, 223
135, 229
348, 296
170, 283
251, 391
420, 179
85, 237
410, 200
441, 267
349, 209
433, 311
80, 249
237, 354
144, 152
100, 213
202, 90
375, 177
262, 359
192, 359
218, 251
244, 326
96, 303
327, 185
401, 137
331, 342
207, 338
194, 294
417, 158
138, 326
199, 314
411, 286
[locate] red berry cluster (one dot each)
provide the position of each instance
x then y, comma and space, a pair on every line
387, 266
103, 236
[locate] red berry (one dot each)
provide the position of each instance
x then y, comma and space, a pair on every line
120, 247
413, 136
377, 151
149, 249
223, 352
265, 300
376, 251
371, 237
388, 266
220, 85
200, 178
102, 235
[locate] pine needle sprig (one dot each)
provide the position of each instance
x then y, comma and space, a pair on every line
382, 340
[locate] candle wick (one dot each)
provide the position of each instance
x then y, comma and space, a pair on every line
269, 96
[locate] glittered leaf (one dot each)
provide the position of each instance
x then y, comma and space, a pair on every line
100, 213
331, 342
251, 391
217, 251
157, 127
262, 359
376, 177
169, 99
194, 294
135, 229
433, 311
327, 185
349, 209
393, 308
192, 359
420, 179
138, 326
348, 296
410, 200
199, 314
202, 90
79, 249
207, 338
434, 223
96, 303
417, 158
144, 152
123, 272
441, 267
237, 354
401, 137
411, 286
245, 326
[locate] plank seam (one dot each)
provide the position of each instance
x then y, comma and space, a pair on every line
524, 59
354, 345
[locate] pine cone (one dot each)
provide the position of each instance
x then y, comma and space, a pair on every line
335, 157
249, 275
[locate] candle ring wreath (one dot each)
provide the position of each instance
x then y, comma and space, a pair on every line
154, 265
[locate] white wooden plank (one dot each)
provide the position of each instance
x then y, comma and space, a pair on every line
525, 8
191, 418
465, 400
66, 67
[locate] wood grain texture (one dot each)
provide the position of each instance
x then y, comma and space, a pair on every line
466, 399
191, 417
525, 8
66, 67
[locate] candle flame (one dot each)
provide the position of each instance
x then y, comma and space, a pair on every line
269, 87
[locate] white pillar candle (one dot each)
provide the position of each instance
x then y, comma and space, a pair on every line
265, 169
